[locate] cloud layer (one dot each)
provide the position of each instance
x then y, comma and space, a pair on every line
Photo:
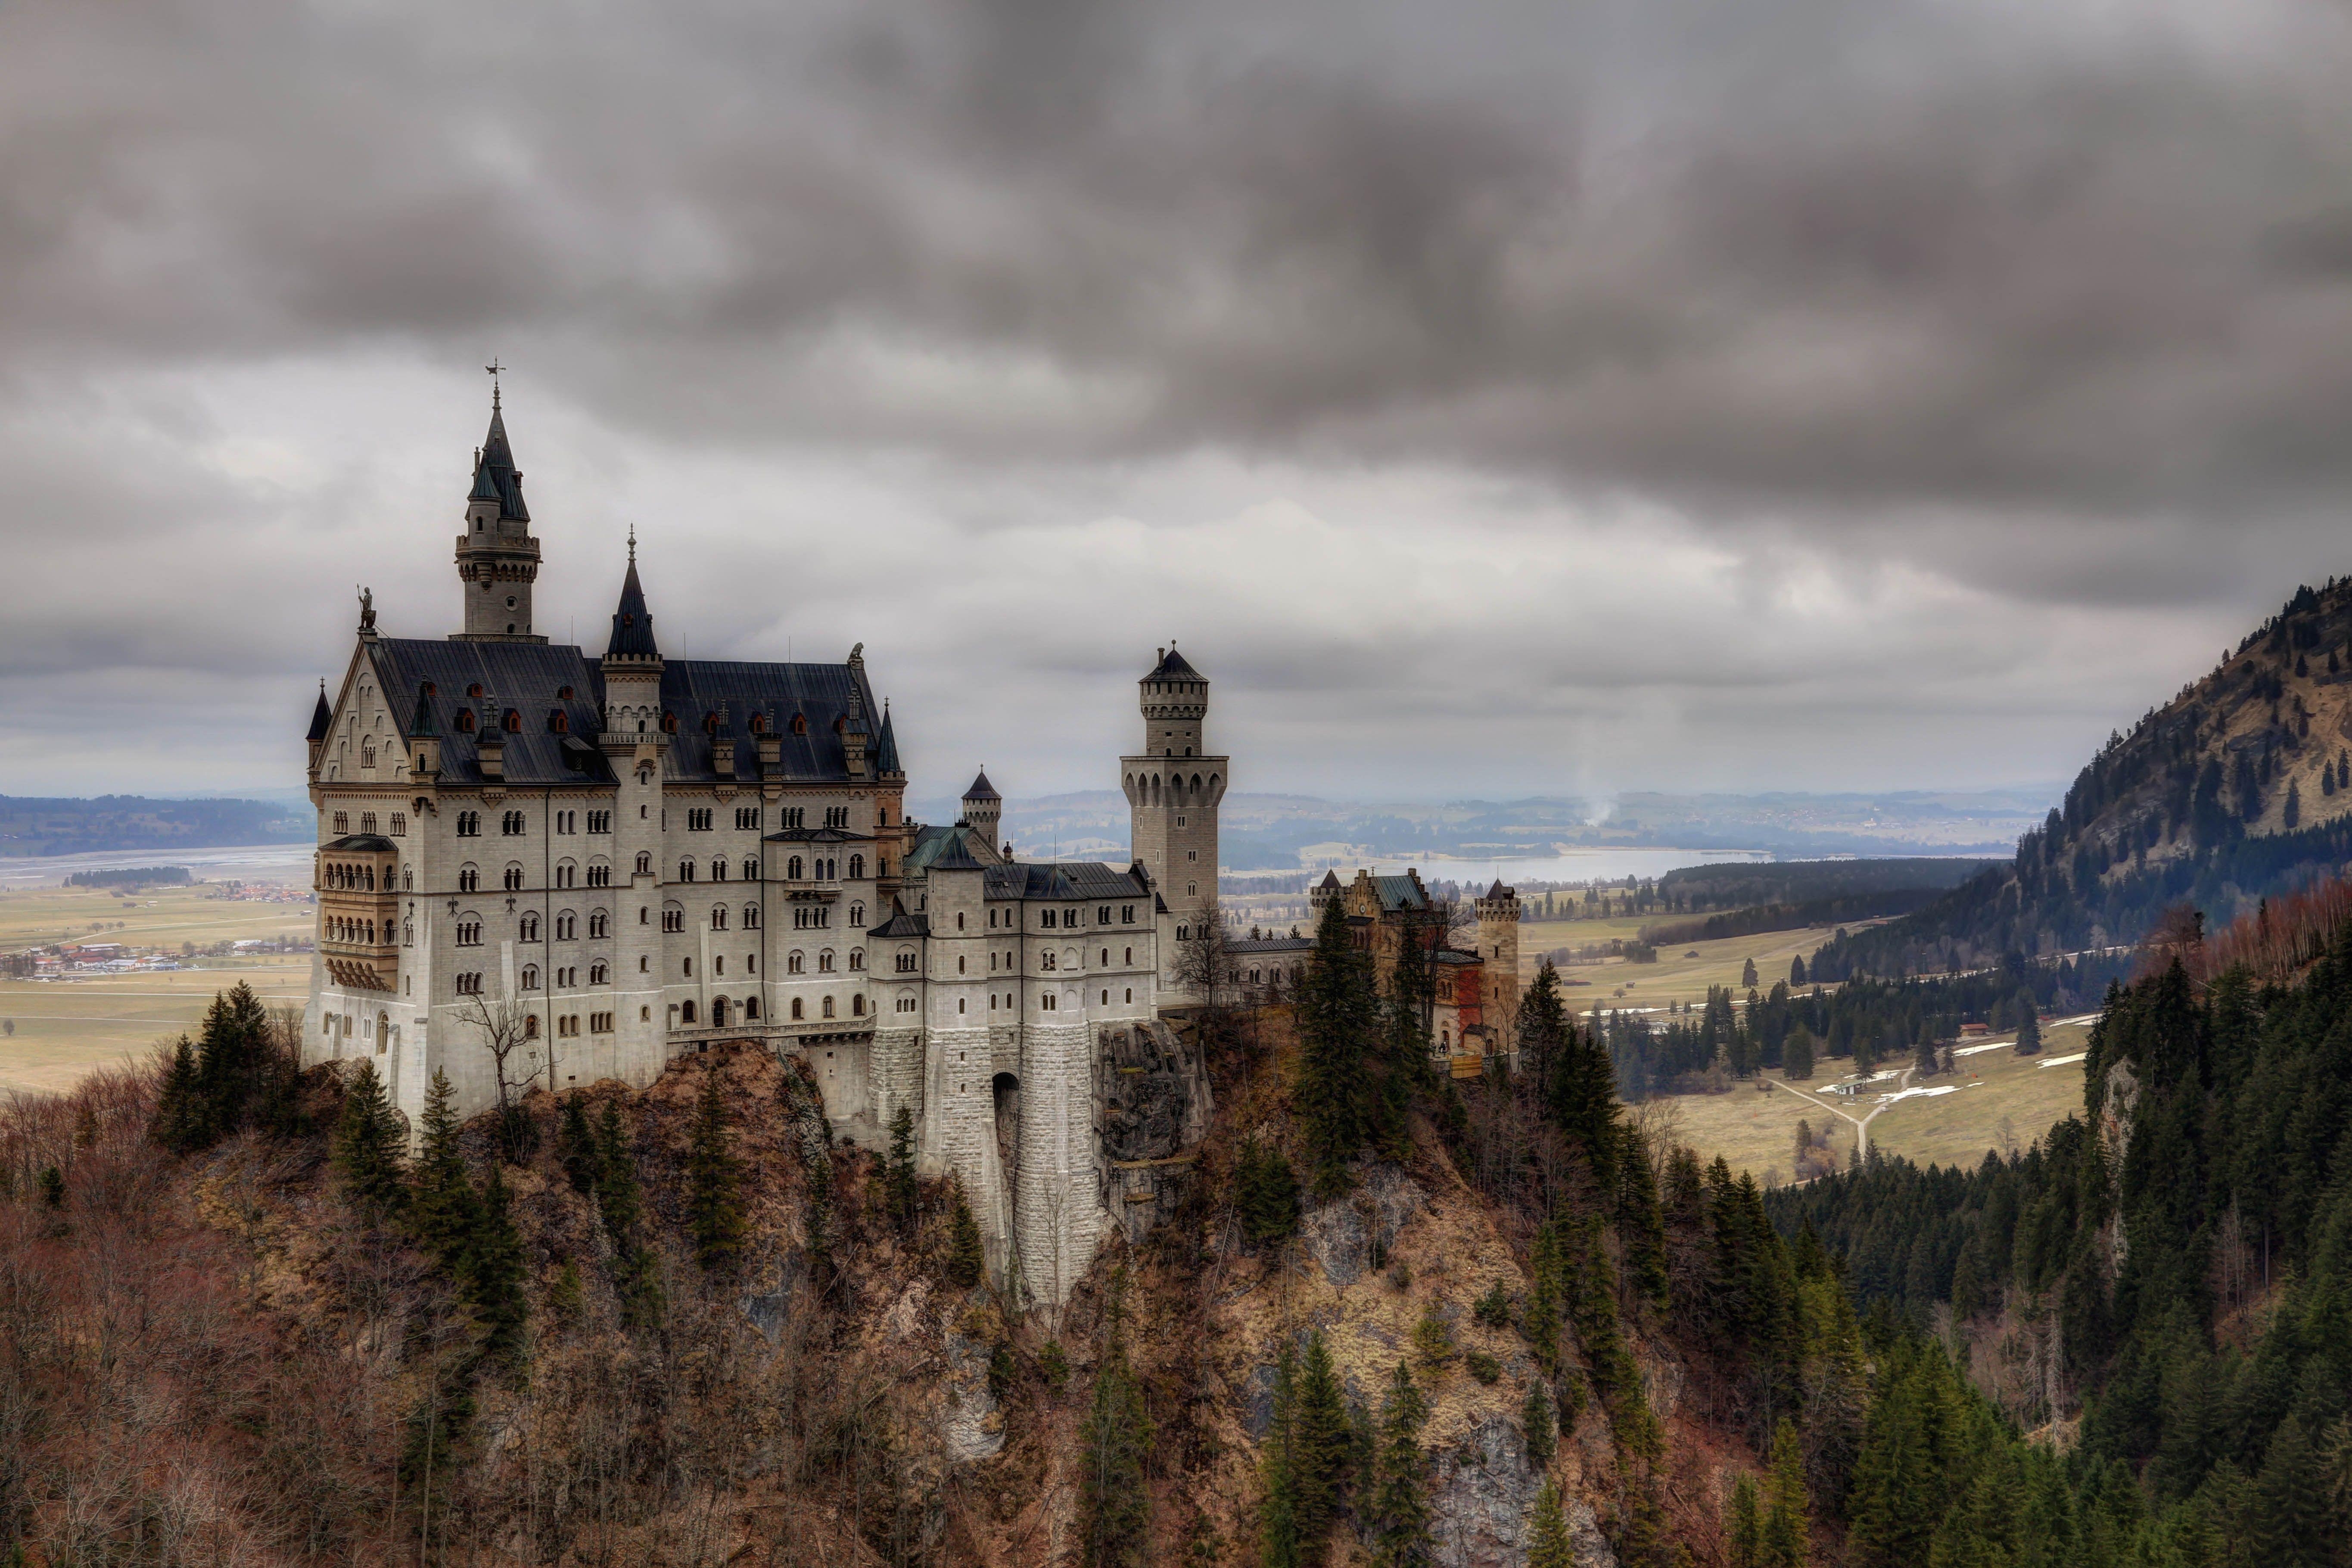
1498, 396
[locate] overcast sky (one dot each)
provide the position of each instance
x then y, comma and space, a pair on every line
1490, 398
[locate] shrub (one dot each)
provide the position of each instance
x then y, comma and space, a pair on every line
1482, 1367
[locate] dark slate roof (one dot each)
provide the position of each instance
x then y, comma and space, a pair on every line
1251, 945
494, 472
322, 718
362, 844
695, 688
982, 789
901, 923
525, 677
1075, 881
633, 624
886, 749
1331, 882
1448, 955
954, 854
1404, 893
1500, 892
931, 841
1172, 667
817, 836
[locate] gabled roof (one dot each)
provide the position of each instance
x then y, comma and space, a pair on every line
981, 788
1404, 892
1172, 667
901, 923
1500, 892
322, 718
954, 854
1331, 882
1046, 881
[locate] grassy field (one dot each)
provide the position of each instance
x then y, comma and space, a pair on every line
64, 1028
2004, 1100
1675, 977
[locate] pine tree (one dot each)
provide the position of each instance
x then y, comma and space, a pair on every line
1323, 1443
2029, 1027
1337, 1015
966, 1259
899, 1181
576, 1145
1747, 1527
367, 1146
635, 1272
1797, 969
443, 1211
1116, 1442
1583, 1102
714, 1194
1535, 1425
2293, 816
2292, 1522
1280, 1539
1747, 975
1548, 1541
179, 1108
230, 1057
1543, 1320
1266, 1194
1797, 1055
1543, 1026
1786, 1519
494, 1270
1398, 1511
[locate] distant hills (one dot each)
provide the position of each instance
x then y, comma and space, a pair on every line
2233, 792
33, 826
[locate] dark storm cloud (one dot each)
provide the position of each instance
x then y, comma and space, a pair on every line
2036, 314
1869, 254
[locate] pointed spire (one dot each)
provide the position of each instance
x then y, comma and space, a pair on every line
322, 718
886, 746
982, 789
495, 475
422, 724
633, 624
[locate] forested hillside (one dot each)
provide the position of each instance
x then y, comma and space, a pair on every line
2235, 791
2163, 1286
32, 825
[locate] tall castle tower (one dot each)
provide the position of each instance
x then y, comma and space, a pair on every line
1499, 944
1172, 787
983, 808
497, 558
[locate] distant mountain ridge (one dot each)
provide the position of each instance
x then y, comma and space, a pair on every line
35, 826
2233, 792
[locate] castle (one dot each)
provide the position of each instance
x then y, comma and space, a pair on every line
537, 867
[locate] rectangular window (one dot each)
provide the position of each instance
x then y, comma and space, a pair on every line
1127, 915
1046, 919
1102, 916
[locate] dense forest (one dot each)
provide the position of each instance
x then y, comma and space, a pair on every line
2232, 793
2165, 1281
34, 825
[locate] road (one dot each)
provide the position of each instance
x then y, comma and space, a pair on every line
1861, 1123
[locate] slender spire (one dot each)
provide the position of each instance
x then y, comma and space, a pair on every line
886, 745
633, 624
495, 475
322, 718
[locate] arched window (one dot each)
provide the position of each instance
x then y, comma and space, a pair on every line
685, 870
513, 720
799, 724
598, 975
465, 721
796, 1010
857, 958
719, 917
751, 1009
558, 722
530, 976
470, 880
825, 961
857, 867
718, 868
530, 932
795, 962
514, 879
599, 923
718, 1012
686, 1012
857, 1006
858, 917
751, 917
793, 869
474, 690
530, 1027
751, 868
644, 863
829, 1006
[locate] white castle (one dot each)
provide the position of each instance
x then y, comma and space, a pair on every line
612, 861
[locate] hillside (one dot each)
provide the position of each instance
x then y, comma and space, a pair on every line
2233, 792
32, 825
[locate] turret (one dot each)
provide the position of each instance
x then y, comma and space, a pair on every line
1175, 700
497, 559
1498, 945
633, 662
983, 808
323, 719
1174, 787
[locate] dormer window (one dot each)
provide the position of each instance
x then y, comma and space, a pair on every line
514, 722
559, 722
710, 724
563, 693
474, 690
669, 723
800, 723
466, 720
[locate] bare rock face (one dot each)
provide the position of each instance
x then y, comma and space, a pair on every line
974, 1426
1480, 1492
1350, 1234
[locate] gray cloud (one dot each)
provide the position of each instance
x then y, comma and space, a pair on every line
2030, 319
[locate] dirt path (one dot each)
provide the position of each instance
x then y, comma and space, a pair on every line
1862, 1123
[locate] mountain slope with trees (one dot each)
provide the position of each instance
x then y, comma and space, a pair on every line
2236, 790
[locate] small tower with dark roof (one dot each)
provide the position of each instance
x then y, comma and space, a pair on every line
497, 558
322, 721
633, 662
1173, 786
1498, 947
983, 809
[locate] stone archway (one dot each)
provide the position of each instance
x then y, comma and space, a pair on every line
1007, 1090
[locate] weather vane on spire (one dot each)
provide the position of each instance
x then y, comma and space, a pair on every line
494, 367
633, 545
